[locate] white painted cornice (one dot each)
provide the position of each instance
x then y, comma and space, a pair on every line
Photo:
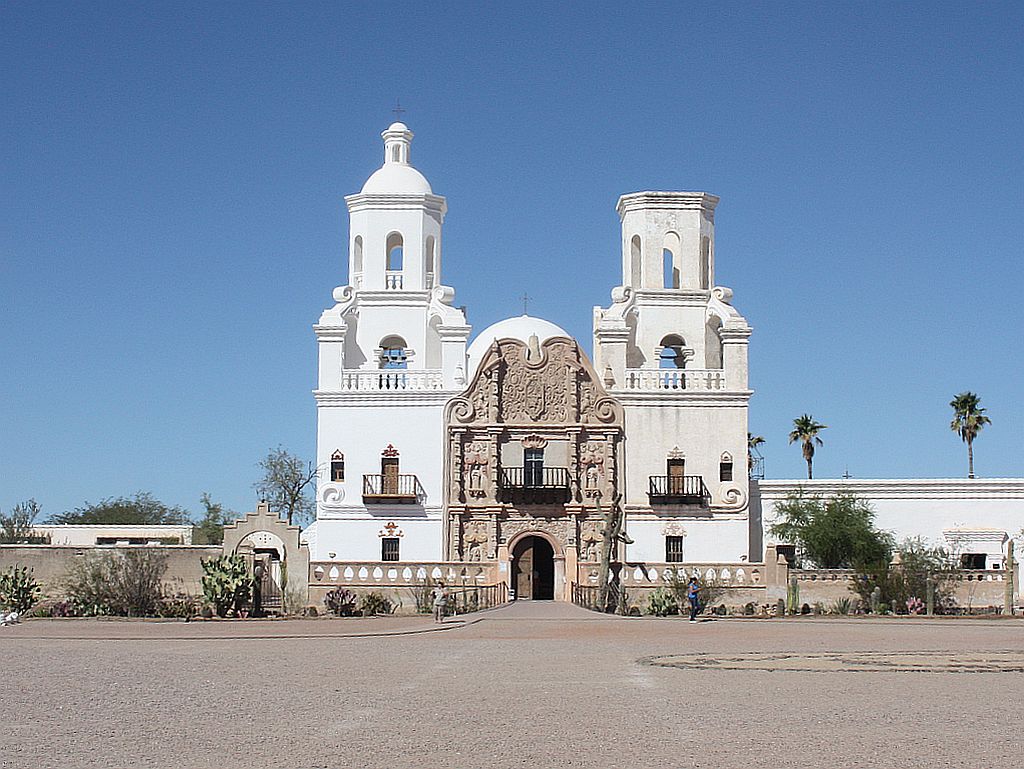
392, 298
674, 399
671, 297
330, 333
377, 400
377, 201
671, 200
902, 488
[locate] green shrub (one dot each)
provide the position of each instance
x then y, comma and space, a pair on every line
341, 602
907, 583
18, 589
709, 591
375, 603
842, 606
662, 603
227, 583
423, 596
125, 583
178, 607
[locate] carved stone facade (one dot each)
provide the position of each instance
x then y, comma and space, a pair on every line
543, 399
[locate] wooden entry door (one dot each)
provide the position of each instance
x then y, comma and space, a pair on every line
522, 570
533, 569
389, 471
676, 477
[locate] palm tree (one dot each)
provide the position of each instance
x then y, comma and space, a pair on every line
806, 430
968, 419
753, 442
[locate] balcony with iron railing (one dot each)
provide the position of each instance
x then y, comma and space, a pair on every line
637, 379
535, 485
679, 490
391, 489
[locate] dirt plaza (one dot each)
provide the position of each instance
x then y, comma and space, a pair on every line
532, 684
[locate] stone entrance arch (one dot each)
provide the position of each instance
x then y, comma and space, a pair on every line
536, 567
272, 544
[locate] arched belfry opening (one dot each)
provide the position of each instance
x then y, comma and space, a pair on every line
635, 262
394, 250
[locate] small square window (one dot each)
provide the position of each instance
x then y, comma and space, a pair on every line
673, 549
389, 548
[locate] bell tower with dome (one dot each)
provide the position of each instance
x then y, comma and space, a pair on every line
392, 351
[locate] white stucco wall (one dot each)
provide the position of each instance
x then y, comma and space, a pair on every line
358, 538
704, 540
920, 507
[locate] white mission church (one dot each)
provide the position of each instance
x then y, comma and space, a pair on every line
502, 451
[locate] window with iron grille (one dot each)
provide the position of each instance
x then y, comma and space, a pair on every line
725, 471
673, 549
389, 548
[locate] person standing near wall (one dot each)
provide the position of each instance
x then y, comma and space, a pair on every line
440, 594
693, 595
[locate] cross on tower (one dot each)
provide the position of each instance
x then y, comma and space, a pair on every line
398, 110
526, 300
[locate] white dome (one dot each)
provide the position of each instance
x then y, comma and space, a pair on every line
397, 179
521, 328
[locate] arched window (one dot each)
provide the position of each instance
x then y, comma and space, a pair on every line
671, 354
635, 262
393, 353
394, 249
670, 261
429, 263
337, 467
357, 255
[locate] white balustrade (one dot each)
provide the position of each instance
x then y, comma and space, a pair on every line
673, 379
393, 280
392, 380
401, 573
636, 574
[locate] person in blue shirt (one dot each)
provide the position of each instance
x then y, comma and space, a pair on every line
693, 594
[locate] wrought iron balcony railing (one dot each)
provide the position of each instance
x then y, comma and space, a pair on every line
535, 485
535, 478
679, 490
403, 489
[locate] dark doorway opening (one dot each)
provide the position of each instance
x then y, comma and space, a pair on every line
533, 569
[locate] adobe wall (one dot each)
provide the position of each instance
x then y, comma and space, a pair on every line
50, 563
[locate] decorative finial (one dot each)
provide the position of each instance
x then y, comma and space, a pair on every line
398, 110
526, 299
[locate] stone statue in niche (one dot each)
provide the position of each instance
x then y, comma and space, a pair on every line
474, 540
592, 461
591, 481
475, 465
476, 481
591, 540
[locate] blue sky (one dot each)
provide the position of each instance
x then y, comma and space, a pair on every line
172, 179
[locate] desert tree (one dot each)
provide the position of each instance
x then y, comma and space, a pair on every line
286, 485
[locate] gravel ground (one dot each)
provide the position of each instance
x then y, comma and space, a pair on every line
530, 685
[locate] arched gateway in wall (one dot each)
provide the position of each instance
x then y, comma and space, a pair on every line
533, 447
